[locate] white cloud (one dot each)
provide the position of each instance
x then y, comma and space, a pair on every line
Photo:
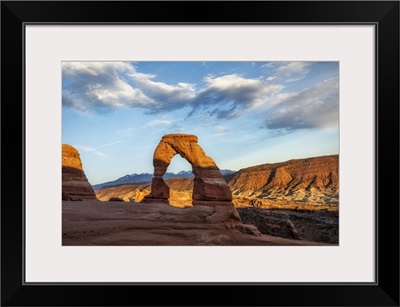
165, 95
95, 68
230, 95
88, 85
287, 71
109, 144
107, 85
95, 150
314, 107
295, 79
291, 68
159, 122
89, 149
269, 65
94, 85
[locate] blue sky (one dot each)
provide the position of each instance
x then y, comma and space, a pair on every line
244, 113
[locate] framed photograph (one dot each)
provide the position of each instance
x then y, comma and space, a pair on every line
241, 146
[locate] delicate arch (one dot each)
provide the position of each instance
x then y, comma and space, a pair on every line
209, 185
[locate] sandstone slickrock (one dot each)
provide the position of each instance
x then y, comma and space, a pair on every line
75, 185
101, 223
209, 185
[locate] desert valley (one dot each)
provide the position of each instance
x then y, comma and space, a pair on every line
288, 203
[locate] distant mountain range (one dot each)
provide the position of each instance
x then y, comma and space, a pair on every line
146, 177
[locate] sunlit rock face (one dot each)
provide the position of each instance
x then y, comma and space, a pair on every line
75, 185
209, 186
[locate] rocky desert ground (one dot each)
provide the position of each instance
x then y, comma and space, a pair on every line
116, 223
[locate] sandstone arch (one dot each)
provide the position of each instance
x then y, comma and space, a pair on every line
209, 187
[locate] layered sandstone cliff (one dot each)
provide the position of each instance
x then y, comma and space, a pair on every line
75, 185
313, 180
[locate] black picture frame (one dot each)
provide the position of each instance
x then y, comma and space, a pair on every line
383, 14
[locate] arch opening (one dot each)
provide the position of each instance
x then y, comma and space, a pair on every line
209, 186
181, 185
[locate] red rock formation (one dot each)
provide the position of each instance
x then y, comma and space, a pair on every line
75, 185
209, 187
313, 179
